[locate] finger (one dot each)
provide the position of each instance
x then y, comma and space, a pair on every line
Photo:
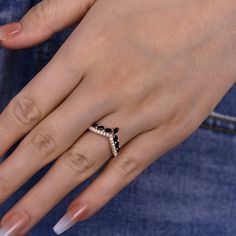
42, 21
84, 158
136, 156
42, 95
53, 136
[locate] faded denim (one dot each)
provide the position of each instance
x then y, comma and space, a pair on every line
190, 191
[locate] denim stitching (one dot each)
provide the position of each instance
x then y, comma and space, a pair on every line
226, 118
221, 123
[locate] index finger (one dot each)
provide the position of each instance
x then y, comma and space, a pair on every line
43, 94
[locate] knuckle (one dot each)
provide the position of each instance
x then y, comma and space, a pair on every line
43, 142
44, 11
25, 111
127, 166
40, 9
177, 128
77, 162
185, 122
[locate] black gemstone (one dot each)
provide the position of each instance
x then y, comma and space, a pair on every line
94, 125
108, 130
117, 145
118, 149
115, 138
100, 127
116, 130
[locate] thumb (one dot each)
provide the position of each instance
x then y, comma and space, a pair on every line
42, 21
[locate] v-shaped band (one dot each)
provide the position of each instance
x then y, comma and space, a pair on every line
110, 133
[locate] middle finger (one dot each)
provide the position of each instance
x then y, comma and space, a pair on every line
52, 137
77, 164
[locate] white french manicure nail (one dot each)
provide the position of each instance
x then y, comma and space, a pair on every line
74, 215
64, 224
3, 232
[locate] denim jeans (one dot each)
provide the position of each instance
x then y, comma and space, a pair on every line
190, 191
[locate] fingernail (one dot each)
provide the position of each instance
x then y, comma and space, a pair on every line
13, 225
74, 215
9, 31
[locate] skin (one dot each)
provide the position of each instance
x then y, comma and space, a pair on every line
154, 68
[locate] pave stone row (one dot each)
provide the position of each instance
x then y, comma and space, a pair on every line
111, 134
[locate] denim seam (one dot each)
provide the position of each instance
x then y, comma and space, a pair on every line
218, 129
226, 118
220, 123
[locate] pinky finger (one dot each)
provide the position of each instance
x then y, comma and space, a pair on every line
134, 157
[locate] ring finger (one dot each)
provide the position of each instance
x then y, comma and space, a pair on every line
49, 139
83, 159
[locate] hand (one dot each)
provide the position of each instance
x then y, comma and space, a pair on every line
155, 69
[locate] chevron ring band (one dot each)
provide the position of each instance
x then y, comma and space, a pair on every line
110, 133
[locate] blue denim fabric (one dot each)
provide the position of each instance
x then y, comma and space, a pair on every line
190, 191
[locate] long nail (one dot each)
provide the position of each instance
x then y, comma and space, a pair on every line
9, 31
13, 225
74, 215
